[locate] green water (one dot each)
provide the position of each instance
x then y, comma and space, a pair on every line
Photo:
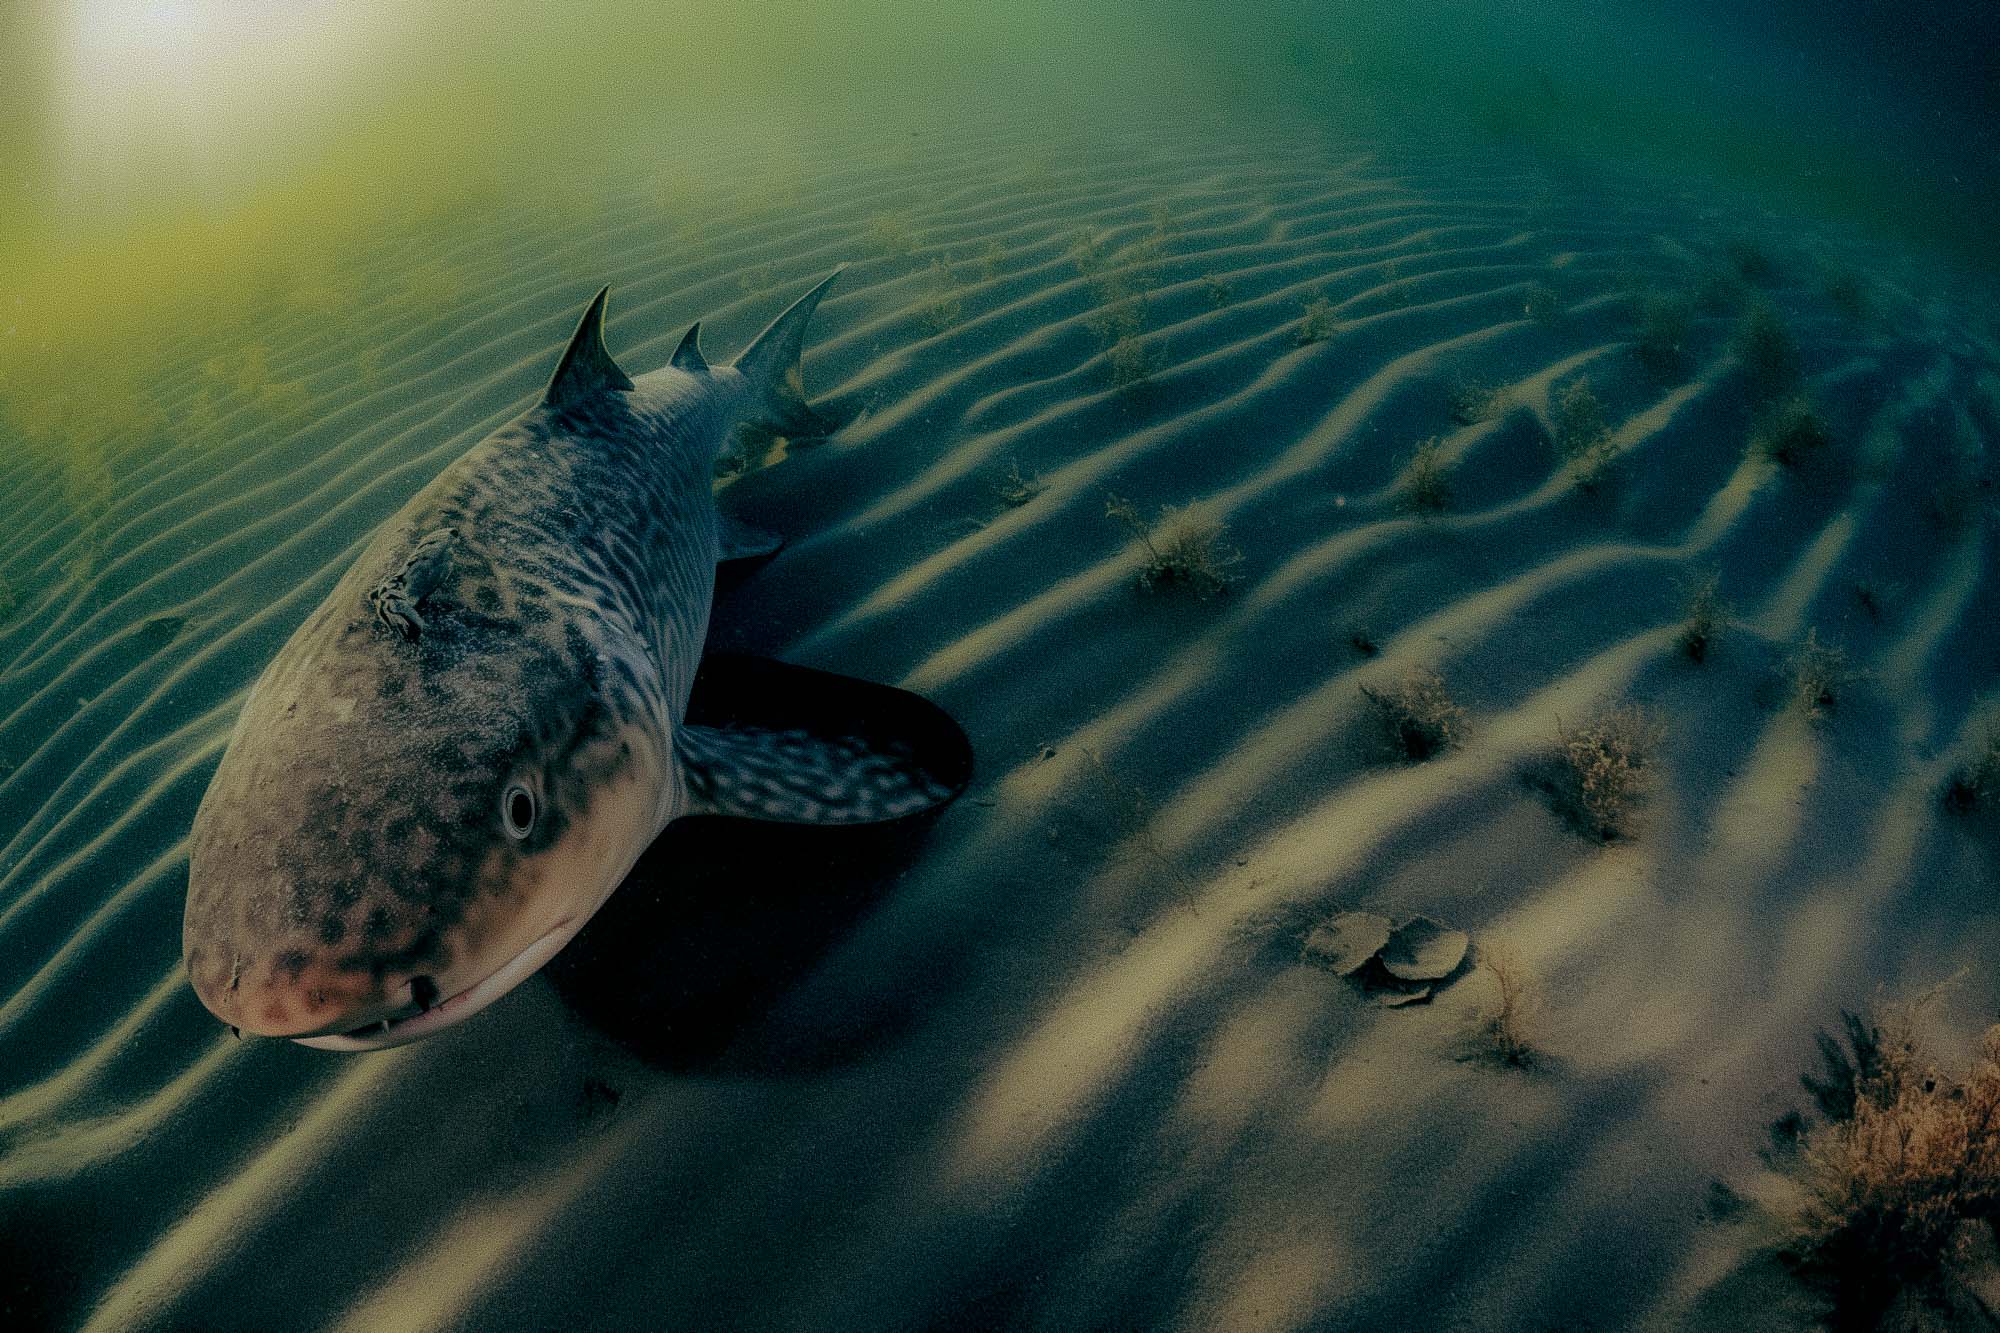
183, 173
187, 140
1501, 345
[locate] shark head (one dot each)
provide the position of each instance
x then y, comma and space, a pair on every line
446, 769
460, 754
401, 832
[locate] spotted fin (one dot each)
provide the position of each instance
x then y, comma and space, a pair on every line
737, 540
770, 741
795, 777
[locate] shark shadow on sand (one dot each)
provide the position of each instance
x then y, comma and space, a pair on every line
689, 964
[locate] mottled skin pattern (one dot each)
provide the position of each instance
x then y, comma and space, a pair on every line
804, 779
351, 859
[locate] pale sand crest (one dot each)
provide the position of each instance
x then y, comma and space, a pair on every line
1044, 1063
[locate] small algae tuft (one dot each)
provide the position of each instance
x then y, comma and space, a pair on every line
1129, 363
1541, 303
1317, 323
1606, 766
1768, 353
1426, 487
1089, 251
1121, 318
1505, 1032
1974, 783
1815, 676
1473, 401
892, 235
1014, 488
1416, 718
1184, 547
1133, 814
943, 302
1580, 432
1702, 615
1789, 431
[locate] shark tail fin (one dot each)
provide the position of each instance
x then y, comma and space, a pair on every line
770, 364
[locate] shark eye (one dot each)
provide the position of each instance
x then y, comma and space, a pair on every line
517, 811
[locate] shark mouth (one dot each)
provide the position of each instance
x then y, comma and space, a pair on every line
400, 1031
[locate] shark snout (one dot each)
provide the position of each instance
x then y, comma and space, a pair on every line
425, 1013
316, 1003
293, 994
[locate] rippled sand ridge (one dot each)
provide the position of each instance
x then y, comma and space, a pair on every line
1052, 1059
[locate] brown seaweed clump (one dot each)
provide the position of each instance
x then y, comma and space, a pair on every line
1902, 1177
1606, 767
1416, 715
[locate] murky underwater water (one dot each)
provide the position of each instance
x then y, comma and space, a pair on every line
1462, 542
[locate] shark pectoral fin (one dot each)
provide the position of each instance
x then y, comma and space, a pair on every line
794, 777
739, 541
766, 740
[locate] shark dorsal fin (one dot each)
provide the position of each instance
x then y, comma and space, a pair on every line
586, 369
688, 355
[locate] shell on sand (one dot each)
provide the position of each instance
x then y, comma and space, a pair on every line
1423, 950
1397, 999
1344, 942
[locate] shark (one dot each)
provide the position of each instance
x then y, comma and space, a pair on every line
459, 755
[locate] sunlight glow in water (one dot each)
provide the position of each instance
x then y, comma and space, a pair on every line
188, 91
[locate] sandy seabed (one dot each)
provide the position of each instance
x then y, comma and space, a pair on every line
1051, 1059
